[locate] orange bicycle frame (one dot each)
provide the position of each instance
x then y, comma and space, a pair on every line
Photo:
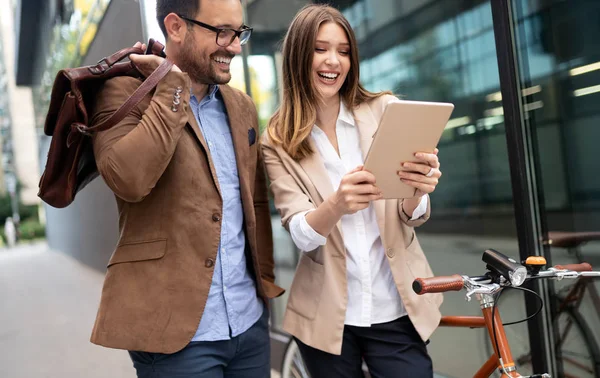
485, 321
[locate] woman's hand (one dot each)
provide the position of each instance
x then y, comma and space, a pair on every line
357, 189
146, 64
424, 174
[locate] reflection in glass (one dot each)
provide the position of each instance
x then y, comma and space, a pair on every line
560, 82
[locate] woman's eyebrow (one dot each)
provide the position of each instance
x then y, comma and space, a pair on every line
327, 42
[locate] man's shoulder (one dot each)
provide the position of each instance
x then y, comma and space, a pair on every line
119, 84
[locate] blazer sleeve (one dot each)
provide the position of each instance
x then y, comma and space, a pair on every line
133, 155
417, 222
289, 197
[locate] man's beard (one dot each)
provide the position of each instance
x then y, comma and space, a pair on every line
200, 68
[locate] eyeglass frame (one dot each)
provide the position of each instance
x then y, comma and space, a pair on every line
236, 33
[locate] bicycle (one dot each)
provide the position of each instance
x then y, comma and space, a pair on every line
502, 273
579, 350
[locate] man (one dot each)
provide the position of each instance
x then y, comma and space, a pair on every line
187, 286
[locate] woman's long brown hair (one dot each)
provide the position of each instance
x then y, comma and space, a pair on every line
292, 123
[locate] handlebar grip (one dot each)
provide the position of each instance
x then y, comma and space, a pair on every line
438, 284
583, 267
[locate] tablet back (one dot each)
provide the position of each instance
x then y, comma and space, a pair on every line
406, 127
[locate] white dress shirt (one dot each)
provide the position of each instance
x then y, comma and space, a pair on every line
372, 294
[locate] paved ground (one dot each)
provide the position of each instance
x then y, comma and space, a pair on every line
49, 303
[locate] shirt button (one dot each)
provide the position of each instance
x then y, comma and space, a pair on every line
209, 263
390, 252
216, 217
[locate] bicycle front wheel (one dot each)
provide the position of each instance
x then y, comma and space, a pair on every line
293, 365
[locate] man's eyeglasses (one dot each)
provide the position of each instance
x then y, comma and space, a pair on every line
225, 37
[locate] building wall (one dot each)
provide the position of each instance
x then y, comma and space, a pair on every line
88, 228
23, 133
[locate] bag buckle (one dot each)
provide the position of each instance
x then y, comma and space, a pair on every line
100, 67
83, 129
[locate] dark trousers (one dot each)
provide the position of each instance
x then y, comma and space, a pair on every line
392, 349
243, 356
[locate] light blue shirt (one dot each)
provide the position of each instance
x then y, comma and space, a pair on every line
233, 305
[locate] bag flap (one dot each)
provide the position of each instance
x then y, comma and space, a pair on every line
60, 88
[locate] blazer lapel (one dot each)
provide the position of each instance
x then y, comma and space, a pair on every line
193, 124
315, 169
239, 124
367, 125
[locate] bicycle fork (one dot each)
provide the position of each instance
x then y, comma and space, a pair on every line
502, 358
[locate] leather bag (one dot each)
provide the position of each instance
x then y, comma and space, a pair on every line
70, 165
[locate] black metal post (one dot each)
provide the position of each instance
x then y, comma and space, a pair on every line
522, 169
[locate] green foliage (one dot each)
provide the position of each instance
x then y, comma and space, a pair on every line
26, 212
28, 230
31, 230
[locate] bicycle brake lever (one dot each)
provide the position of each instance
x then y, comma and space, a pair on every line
481, 290
560, 274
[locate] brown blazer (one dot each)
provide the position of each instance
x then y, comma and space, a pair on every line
158, 165
316, 307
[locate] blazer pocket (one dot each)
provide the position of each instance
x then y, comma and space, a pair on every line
305, 293
139, 251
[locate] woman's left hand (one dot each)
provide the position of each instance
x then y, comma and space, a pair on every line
424, 174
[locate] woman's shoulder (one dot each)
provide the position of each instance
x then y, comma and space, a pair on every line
267, 143
377, 105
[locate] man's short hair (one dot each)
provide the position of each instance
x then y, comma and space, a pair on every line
185, 8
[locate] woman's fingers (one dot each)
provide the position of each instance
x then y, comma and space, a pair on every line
422, 186
416, 167
360, 177
429, 159
357, 169
433, 180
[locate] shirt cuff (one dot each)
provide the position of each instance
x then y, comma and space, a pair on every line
421, 209
303, 235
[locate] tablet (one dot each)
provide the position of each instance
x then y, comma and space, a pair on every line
406, 127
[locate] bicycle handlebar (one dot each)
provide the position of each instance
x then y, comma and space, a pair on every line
438, 284
441, 284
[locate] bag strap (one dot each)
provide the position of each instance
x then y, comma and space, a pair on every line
119, 55
147, 85
105, 64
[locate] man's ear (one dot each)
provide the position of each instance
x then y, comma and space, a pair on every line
176, 27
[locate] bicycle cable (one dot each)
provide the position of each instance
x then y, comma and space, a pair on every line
497, 299
540, 301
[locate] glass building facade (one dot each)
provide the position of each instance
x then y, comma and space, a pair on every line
508, 180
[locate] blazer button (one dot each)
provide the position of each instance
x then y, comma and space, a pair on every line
390, 252
209, 263
216, 217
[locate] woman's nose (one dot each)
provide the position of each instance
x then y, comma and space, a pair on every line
332, 59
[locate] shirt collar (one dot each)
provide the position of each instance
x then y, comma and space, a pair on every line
345, 115
211, 94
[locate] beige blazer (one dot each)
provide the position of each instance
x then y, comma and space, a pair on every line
317, 303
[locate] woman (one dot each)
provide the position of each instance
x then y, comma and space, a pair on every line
352, 290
